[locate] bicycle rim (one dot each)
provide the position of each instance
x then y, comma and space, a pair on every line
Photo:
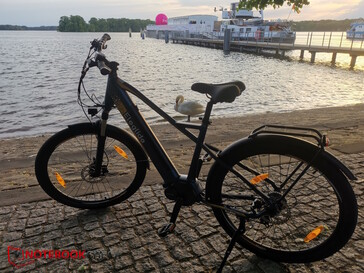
305, 219
70, 167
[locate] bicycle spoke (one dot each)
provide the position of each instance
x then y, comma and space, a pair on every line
307, 206
73, 161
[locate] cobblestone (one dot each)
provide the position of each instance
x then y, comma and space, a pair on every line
124, 238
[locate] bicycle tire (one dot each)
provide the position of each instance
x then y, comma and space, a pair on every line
63, 164
318, 216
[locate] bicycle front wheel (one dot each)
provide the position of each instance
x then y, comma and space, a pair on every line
64, 165
314, 209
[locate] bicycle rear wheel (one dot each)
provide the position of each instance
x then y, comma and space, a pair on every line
314, 220
64, 165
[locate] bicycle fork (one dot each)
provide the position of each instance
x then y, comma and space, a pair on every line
97, 168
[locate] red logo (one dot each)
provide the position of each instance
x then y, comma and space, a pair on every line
18, 257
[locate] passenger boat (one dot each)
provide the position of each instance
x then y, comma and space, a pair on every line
245, 26
356, 31
242, 23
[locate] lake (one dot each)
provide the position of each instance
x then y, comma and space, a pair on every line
39, 74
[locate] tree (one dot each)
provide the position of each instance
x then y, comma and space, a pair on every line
262, 4
63, 23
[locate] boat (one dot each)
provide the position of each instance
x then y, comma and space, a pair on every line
356, 31
189, 26
245, 26
242, 23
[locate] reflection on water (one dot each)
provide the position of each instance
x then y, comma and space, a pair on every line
39, 72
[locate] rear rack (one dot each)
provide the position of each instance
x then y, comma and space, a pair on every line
321, 139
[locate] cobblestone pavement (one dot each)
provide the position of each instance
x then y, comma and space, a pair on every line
124, 238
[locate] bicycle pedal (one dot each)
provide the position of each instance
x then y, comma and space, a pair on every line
166, 230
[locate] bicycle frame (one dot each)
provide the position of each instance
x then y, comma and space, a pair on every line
117, 93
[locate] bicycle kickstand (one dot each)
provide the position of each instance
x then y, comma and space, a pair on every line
239, 231
168, 228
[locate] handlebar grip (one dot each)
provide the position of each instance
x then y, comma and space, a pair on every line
99, 45
104, 69
106, 37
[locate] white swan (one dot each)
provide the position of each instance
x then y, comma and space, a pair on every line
189, 108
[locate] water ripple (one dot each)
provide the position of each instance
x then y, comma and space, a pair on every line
35, 100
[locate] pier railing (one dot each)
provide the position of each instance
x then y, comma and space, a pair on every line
313, 42
323, 39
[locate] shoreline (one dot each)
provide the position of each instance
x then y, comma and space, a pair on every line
161, 122
343, 125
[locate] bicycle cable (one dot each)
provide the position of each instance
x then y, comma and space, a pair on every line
81, 87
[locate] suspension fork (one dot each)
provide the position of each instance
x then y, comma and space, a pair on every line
101, 138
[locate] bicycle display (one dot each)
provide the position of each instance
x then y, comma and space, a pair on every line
277, 192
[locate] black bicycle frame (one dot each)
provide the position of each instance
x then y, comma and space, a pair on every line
117, 94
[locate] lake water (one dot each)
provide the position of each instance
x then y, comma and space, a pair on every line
39, 73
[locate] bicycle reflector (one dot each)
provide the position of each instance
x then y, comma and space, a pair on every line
60, 180
259, 178
313, 234
120, 151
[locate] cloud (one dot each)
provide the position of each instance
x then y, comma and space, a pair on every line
48, 12
355, 11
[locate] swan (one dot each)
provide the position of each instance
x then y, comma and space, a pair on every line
189, 108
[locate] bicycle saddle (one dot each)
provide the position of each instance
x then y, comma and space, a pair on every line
223, 92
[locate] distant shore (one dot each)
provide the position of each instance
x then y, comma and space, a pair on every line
306, 26
41, 28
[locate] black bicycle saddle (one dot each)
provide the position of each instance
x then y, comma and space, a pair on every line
222, 92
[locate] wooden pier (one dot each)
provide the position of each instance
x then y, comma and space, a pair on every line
277, 47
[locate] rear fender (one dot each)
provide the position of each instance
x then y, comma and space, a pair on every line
336, 162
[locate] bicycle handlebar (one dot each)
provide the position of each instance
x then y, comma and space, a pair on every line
100, 44
102, 62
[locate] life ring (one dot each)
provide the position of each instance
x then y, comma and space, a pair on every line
257, 35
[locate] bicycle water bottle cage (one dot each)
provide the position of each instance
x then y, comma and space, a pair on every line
224, 92
321, 139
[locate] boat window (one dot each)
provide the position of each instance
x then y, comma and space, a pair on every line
248, 29
192, 22
242, 30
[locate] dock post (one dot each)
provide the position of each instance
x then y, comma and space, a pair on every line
226, 46
333, 59
166, 37
302, 54
353, 60
129, 32
313, 56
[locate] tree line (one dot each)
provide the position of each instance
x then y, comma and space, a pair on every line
76, 23
324, 25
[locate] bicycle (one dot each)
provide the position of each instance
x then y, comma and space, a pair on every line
277, 192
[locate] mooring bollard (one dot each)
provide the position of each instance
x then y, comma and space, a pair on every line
227, 38
166, 37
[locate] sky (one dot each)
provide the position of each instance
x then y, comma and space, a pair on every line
48, 12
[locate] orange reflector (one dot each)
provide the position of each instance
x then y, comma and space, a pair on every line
313, 234
259, 178
120, 152
60, 180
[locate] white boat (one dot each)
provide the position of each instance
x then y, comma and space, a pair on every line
187, 26
245, 26
356, 31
